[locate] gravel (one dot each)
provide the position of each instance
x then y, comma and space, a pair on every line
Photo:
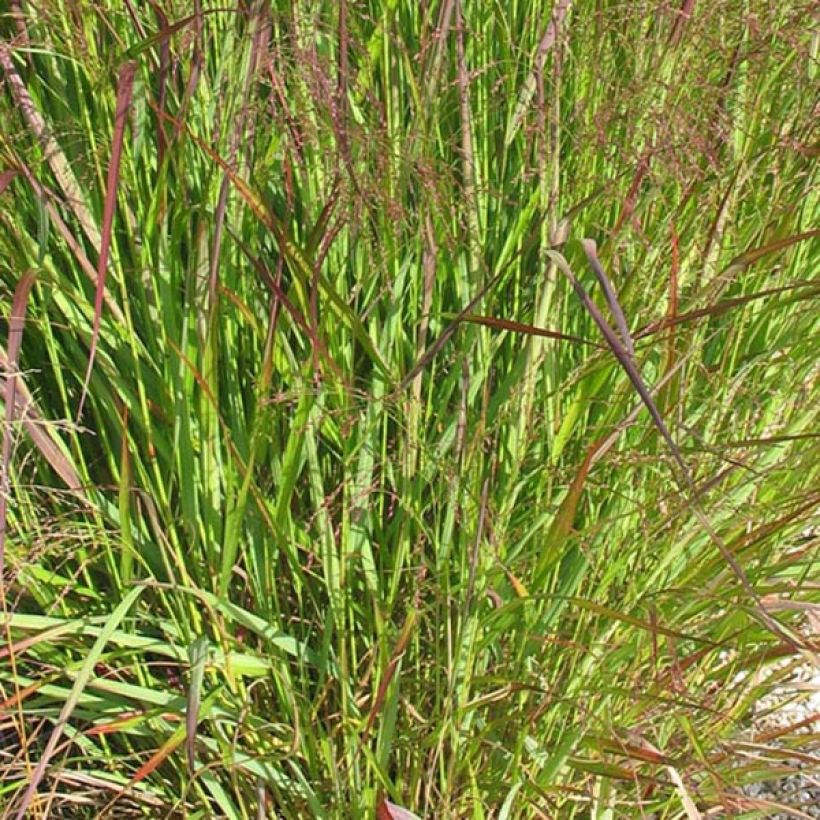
793, 700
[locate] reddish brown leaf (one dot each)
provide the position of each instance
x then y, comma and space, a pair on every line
6, 178
631, 198
16, 322
386, 810
387, 677
683, 15
44, 437
162, 82
529, 330
723, 306
156, 759
125, 87
295, 314
636, 749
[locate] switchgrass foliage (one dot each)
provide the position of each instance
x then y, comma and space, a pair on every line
322, 486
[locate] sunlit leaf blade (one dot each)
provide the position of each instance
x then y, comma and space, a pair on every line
198, 655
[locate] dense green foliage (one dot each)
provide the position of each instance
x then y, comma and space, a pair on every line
328, 498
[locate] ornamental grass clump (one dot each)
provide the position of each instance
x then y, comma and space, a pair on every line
407, 407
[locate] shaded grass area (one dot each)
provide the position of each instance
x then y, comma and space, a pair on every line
323, 485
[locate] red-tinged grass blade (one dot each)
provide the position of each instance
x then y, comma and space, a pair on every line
621, 354
386, 810
165, 32
631, 750
612, 771
591, 252
749, 257
564, 519
442, 340
48, 197
122, 723
253, 200
150, 765
740, 262
45, 440
16, 323
812, 285
775, 734
198, 654
563, 522
14, 701
398, 650
295, 313
688, 484
561, 525
628, 206
125, 87
320, 228
6, 178
48, 636
609, 440
519, 588
298, 262
80, 683
24, 404
681, 18
158, 757
529, 330
54, 155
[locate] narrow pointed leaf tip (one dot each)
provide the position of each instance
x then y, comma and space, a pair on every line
622, 355
591, 251
390, 811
